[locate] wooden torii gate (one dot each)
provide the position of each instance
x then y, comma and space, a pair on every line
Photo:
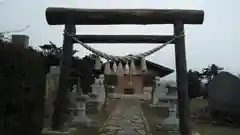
71, 17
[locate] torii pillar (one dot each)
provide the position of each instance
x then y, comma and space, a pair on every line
70, 17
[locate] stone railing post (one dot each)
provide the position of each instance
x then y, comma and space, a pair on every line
81, 118
171, 123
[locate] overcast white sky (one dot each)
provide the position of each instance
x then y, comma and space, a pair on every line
216, 41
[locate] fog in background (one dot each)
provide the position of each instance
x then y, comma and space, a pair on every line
216, 41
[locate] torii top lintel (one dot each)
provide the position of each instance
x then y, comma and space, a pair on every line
61, 16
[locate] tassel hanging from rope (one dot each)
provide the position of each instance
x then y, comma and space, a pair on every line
114, 67
98, 64
143, 64
126, 69
120, 71
107, 69
132, 70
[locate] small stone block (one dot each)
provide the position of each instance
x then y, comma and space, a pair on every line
82, 98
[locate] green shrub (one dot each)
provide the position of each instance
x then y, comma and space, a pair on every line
22, 89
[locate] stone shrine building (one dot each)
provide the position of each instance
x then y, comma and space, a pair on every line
134, 84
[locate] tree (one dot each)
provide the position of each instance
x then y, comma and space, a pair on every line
22, 78
21, 91
52, 49
196, 79
194, 84
84, 66
210, 72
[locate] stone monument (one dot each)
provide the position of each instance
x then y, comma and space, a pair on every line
51, 89
97, 97
171, 123
80, 119
50, 96
73, 103
159, 90
98, 88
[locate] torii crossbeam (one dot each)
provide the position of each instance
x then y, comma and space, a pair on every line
124, 38
71, 17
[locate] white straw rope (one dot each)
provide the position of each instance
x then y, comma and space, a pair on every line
123, 58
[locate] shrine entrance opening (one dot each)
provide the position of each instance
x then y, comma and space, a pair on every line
129, 91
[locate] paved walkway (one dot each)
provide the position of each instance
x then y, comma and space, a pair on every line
126, 119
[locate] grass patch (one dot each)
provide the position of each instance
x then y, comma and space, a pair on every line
154, 115
208, 129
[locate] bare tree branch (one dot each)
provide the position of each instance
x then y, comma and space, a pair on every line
15, 31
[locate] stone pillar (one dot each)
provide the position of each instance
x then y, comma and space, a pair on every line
97, 97
51, 90
21, 40
159, 91
50, 95
153, 90
73, 105
156, 89
171, 123
81, 118
93, 104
